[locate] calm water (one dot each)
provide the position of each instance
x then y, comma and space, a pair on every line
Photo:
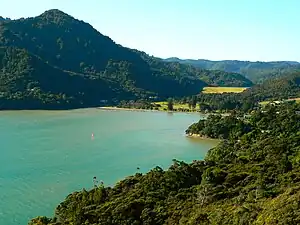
45, 155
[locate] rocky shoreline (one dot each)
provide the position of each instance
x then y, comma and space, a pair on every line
204, 137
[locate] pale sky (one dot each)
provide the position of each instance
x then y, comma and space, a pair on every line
254, 30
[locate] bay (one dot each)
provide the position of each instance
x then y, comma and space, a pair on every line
45, 155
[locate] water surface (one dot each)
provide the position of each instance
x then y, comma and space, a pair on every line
45, 155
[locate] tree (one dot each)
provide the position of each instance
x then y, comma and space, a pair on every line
170, 104
194, 101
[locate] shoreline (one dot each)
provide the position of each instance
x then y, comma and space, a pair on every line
113, 108
199, 136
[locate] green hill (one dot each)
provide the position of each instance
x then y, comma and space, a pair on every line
284, 87
73, 47
257, 72
211, 77
26, 82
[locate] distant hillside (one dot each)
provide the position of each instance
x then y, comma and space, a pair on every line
70, 46
255, 71
280, 88
213, 78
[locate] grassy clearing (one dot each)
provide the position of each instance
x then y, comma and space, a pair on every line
296, 99
264, 102
220, 90
164, 105
290, 99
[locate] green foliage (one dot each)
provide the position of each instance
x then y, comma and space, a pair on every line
211, 77
216, 126
284, 88
276, 89
170, 104
89, 65
257, 72
26, 82
250, 178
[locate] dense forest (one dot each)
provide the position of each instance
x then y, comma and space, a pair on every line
218, 127
57, 42
250, 177
284, 88
26, 82
257, 72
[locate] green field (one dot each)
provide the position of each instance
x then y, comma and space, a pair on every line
290, 99
212, 90
164, 105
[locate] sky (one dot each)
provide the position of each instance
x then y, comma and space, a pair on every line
253, 30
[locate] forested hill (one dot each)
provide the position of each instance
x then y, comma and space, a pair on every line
255, 71
74, 47
211, 77
252, 177
26, 82
284, 87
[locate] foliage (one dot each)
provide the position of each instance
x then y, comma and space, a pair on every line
251, 178
284, 88
170, 104
26, 82
281, 88
61, 44
257, 72
216, 126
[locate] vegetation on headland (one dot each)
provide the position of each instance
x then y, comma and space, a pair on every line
251, 177
54, 61
218, 127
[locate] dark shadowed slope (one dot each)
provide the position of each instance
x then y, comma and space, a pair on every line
26, 82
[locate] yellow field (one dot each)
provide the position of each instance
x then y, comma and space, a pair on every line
212, 90
296, 99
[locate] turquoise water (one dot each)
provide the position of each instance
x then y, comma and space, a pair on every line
45, 155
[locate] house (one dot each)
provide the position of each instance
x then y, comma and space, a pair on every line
247, 116
276, 102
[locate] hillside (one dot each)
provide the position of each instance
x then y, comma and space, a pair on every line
252, 177
74, 47
284, 87
26, 82
211, 77
257, 72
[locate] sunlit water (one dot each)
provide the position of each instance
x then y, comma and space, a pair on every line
45, 155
